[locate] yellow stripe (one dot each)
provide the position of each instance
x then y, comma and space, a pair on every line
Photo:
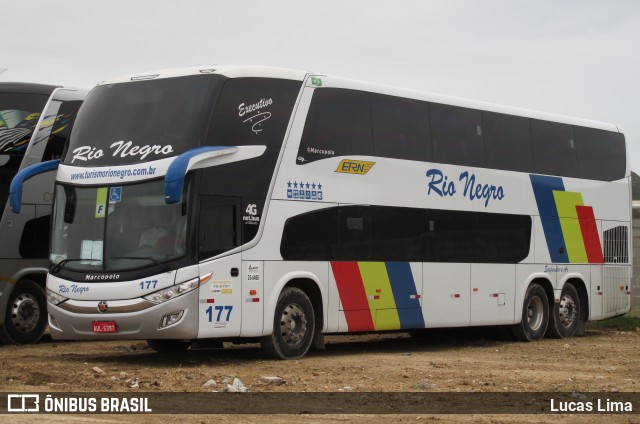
376, 283
566, 202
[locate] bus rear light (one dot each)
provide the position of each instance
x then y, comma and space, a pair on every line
170, 319
252, 299
253, 292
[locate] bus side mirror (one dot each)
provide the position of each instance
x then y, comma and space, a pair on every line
15, 190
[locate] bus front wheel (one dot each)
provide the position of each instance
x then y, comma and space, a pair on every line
567, 315
26, 314
535, 315
293, 326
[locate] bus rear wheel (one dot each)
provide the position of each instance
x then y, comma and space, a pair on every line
566, 315
26, 315
293, 326
535, 315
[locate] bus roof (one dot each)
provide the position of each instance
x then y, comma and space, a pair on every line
339, 82
228, 71
26, 87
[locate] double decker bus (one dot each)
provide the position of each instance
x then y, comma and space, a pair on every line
277, 205
35, 121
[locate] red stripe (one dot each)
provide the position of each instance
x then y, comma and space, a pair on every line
352, 295
590, 234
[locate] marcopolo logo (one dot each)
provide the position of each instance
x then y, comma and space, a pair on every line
358, 167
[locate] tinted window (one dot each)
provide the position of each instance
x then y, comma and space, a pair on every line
601, 154
400, 128
456, 236
554, 148
253, 111
398, 234
338, 124
57, 133
381, 233
355, 233
456, 134
171, 112
312, 236
19, 114
34, 243
219, 226
507, 141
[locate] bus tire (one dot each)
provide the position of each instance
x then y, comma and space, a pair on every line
169, 346
26, 315
535, 315
567, 315
293, 326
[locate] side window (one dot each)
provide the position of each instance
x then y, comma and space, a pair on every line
554, 149
355, 233
456, 236
35, 237
338, 124
398, 234
400, 128
219, 227
507, 142
601, 154
311, 236
456, 134
60, 129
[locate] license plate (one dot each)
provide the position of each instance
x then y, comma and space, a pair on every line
103, 327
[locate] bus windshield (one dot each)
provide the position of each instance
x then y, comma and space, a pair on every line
127, 123
140, 229
19, 113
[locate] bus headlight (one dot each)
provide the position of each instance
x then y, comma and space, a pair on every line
173, 291
55, 298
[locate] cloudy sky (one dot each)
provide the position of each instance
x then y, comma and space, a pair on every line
578, 58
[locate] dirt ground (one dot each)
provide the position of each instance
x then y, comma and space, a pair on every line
439, 361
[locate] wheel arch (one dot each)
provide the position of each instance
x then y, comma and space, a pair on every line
37, 275
538, 278
310, 285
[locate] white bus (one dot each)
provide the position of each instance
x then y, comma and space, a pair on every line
277, 205
35, 121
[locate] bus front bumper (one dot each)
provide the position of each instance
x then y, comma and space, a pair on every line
125, 319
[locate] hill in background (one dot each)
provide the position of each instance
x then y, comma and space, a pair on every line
635, 186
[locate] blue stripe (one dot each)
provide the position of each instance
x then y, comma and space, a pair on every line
543, 188
403, 286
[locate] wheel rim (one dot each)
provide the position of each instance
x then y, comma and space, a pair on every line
535, 313
567, 311
25, 313
293, 324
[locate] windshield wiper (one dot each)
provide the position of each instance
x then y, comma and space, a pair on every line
163, 266
57, 266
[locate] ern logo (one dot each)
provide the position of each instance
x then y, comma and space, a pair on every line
357, 167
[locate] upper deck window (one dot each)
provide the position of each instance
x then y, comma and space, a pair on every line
456, 134
338, 124
400, 128
554, 148
601, 154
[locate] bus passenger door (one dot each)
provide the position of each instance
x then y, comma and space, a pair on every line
218, 232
